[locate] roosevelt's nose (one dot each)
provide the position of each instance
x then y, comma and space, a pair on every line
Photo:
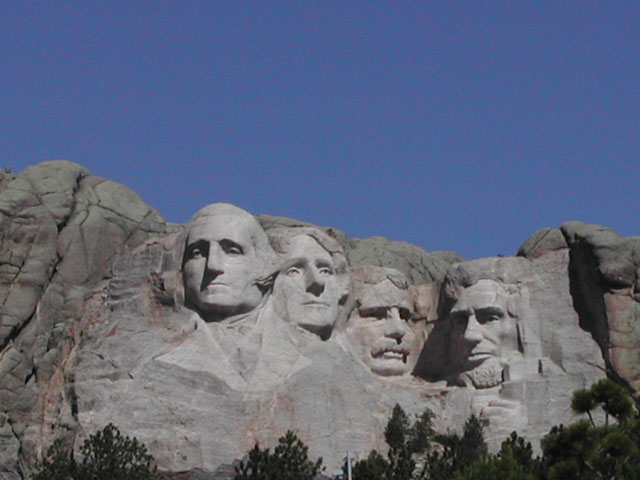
314, 283
394, 325
473, 330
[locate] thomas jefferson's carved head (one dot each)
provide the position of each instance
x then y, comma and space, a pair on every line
312, 283
225, 260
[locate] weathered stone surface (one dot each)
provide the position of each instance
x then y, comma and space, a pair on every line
202, 340
419, 266
604, 271
541, 242
61, 229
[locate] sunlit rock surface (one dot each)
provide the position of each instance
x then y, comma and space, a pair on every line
203, 339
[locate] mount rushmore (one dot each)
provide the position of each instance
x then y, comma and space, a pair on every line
203, 339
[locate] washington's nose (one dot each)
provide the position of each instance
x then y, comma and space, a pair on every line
314, 283
394, 326
214, 262
473, 330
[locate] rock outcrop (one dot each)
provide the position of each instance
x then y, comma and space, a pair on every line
201, 340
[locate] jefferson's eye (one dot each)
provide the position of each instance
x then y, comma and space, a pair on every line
293, 271
326, 271
196, 253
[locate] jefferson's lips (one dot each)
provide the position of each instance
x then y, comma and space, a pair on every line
316, 303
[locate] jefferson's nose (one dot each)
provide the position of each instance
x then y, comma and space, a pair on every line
313, 282
394, 325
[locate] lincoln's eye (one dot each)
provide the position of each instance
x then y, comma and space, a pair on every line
489, 316
459, 320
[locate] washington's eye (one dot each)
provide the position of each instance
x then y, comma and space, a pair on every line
326, 271
231, 248
197, 250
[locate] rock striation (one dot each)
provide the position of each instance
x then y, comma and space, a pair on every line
203, 339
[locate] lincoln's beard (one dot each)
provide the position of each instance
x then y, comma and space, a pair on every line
486, 375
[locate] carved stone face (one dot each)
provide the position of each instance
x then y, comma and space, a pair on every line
381, 330
484, 334
307, 290
221, 265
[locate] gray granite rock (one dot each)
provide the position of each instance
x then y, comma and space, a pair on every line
61, 229
418, 265
541, 242
97, 327
604, 271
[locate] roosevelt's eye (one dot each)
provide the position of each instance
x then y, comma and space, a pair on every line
405, 314
377, 313
293, 271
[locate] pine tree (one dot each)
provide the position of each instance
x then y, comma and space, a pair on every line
107, 455
289, 461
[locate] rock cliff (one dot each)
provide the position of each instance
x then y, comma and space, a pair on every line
203, 339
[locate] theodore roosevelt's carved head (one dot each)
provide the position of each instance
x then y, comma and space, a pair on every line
225, 262
380, 327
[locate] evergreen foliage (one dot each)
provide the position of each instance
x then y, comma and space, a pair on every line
106, 455
289, 461
406, 439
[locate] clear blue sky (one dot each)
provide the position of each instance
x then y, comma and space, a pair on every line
461, 126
